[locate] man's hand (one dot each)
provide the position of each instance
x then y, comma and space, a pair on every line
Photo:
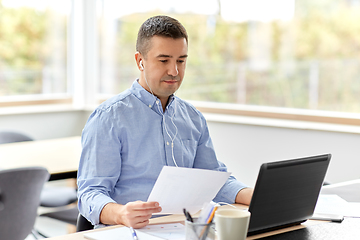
133, 214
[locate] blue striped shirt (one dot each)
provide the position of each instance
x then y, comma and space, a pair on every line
126, 142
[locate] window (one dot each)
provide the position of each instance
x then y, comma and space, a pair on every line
33, 48
278, 53
284, 55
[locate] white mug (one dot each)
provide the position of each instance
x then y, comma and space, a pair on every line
232, 224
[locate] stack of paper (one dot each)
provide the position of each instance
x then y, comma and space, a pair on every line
169, 231
333, 204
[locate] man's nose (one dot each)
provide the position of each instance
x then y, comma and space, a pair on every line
173, 70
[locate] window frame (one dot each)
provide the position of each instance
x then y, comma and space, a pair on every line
292, 114
32, 100
83, 81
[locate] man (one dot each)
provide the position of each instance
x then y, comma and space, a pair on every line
130, 137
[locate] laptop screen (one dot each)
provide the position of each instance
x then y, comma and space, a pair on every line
286, 192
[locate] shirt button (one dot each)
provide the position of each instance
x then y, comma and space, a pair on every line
167, 143
149, 106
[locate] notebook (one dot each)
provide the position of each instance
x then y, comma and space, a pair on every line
286, 192
121, 233
175, 231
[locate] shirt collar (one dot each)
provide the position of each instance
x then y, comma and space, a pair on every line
147, 98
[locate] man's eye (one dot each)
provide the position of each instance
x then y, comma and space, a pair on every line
163, 61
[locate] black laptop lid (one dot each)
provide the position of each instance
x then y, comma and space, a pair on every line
286, 192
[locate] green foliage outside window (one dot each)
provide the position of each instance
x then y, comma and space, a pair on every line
28, 46
311, 62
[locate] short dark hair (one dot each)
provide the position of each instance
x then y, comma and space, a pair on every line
163, 26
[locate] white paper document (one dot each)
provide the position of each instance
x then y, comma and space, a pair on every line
177, 188
333, 204
170, 231
122, 233
173, 231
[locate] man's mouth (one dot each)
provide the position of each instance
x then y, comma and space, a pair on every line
171, 79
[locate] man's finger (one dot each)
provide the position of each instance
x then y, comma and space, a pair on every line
141, 224
145, 205
145, 212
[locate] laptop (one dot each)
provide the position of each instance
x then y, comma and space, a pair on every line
286, 192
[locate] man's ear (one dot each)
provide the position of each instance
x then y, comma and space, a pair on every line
139, 61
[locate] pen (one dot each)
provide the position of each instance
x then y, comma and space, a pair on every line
209, 220
187, 215
205, 230
327, 217
133, 233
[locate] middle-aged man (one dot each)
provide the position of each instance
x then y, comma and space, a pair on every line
130, 137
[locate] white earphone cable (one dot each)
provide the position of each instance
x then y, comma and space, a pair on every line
171, 118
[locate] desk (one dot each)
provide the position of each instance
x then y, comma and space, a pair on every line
59, 156
347, 230
310, 230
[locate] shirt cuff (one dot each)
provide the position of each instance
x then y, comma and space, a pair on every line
93, 206
229, 191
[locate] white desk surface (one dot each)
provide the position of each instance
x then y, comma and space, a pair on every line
56, 155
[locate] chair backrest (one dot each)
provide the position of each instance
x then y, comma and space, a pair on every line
20, 190
11, 137
83, 224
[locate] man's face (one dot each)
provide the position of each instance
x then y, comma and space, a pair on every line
164, 66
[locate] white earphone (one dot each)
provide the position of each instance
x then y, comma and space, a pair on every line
171, 118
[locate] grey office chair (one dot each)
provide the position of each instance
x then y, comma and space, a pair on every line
11, 137
52, 197
20, 197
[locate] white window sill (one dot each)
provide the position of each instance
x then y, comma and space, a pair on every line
47, 108
281, 123
234, 117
